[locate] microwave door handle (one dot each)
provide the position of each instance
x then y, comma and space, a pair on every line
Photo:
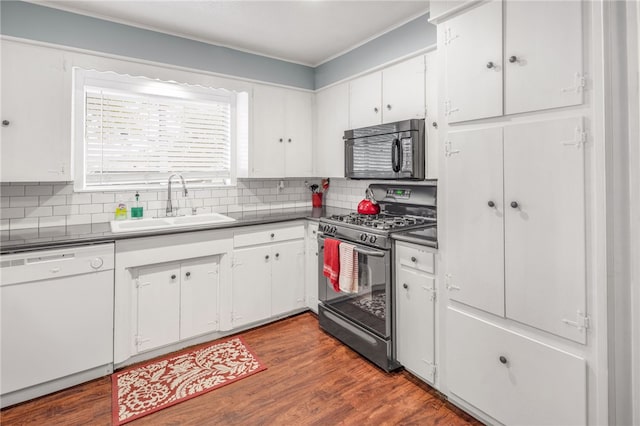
395, 152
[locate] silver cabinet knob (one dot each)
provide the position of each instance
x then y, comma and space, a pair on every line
490, 65
277, 255
266, 257
280, 140
513, 59
491, 204
389, 107
515, 204
289, 140
405, 285
273, 235
413, 259
503, 359
5, 122
375, 109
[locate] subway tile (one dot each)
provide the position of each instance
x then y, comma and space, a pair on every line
52, 221
282, 197
90, 208
5, 202
101, 217
11, 213
256, 184
79, 198
65, 210
38, 211
233, 208
156, 205
219, 209
63, 189
202, 193
23, 202
53, 200
24, 223
103, 198
38, 190
12, 191
4, 224
249, 207
233, 192
219, 193
211, 202
78, 219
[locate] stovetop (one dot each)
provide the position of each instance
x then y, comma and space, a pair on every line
382, 222
371, 230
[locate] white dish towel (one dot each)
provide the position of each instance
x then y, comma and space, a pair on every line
348, 279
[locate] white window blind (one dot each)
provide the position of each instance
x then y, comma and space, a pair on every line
138, 131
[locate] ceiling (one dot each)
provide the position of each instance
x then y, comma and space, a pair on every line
308, 32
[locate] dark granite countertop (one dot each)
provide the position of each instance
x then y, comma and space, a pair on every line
425, 237
14, 241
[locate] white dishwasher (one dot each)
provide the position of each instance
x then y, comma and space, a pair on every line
57, 319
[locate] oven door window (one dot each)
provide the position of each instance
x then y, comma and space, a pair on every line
370, 306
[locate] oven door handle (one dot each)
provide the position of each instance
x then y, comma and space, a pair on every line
369, 252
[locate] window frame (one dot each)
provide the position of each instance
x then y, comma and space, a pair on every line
144, 86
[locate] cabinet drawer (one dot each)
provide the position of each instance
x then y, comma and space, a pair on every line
268, 235
512, 378
415, 256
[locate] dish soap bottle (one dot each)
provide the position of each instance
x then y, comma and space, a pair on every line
137, 212
121, 211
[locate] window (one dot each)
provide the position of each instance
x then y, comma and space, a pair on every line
134, 132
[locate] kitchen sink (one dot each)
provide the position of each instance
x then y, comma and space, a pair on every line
168, 222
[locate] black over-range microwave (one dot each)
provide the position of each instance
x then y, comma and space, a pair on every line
386, 151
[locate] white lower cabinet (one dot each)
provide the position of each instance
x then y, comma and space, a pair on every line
415, 309
512, 378
268, 273
176, 301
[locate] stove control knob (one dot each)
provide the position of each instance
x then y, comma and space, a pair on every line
363, 237
334, 230
372, 239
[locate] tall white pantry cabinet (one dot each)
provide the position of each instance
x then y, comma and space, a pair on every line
519, 213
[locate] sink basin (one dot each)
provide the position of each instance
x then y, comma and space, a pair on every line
202, 219
168, 222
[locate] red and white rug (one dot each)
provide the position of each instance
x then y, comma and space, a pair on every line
161, 383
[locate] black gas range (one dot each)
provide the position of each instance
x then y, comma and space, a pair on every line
364, 319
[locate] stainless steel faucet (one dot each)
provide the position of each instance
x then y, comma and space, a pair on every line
184, 190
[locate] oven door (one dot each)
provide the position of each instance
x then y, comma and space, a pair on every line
370, 307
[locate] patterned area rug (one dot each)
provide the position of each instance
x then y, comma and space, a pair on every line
161, 383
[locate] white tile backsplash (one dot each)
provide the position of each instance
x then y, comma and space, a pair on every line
31, 205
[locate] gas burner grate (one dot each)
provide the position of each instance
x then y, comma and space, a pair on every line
379, 221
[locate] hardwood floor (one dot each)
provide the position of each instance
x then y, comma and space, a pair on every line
312, 379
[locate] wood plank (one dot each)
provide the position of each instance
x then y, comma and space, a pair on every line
312, 379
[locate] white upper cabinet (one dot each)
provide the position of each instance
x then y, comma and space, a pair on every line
545, 266
365, 101
393, 94
474, 209
540, 67
36, 114
543, 64
402, 90
281, 133
332, 119
516, 223
473, 63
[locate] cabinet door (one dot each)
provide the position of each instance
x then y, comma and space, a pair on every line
251, 293
365, 100
158, 306
474, 228
431, 88
516, 380
547, 65
199, 296
268, 133
36, 145
545, 233
415, 322
332, 119
403, 95
287, 277
298, 134
473, 65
